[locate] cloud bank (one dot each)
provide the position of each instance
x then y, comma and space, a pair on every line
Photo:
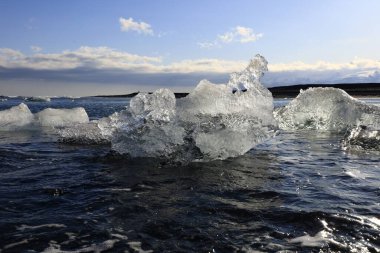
113, 71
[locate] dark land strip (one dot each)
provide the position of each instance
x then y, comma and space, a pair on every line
354, 89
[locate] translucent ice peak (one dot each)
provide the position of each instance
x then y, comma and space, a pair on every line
251, 75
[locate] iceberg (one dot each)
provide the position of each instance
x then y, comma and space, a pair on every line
15, 117
325, 109
51, 117
215, 121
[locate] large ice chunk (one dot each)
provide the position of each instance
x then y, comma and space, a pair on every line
15, 117
227, 120
325, 109
212, 122
243, 94
61, 117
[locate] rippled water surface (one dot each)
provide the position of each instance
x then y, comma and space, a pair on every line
298, 192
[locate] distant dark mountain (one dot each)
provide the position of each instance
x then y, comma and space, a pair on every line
354, 89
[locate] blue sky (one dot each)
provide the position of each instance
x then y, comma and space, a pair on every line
86, 47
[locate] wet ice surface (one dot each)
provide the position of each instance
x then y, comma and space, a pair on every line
298, 192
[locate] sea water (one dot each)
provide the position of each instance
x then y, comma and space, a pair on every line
297, 192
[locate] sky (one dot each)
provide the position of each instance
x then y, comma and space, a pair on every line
89, 47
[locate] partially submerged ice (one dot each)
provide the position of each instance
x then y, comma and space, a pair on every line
21, 117
15, 117
365, 136
326, 109
212, 122
362, 138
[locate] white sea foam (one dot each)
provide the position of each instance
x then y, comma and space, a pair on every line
320, 239
52, 225
355, 173
136, 246
11, 245
97, 248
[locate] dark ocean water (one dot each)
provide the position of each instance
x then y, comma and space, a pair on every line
298, 192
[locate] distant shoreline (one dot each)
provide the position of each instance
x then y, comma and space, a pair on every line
354, 89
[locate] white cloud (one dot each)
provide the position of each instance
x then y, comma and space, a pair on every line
131, 25
238, 34
36, 49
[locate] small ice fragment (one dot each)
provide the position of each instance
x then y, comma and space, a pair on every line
38, 99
